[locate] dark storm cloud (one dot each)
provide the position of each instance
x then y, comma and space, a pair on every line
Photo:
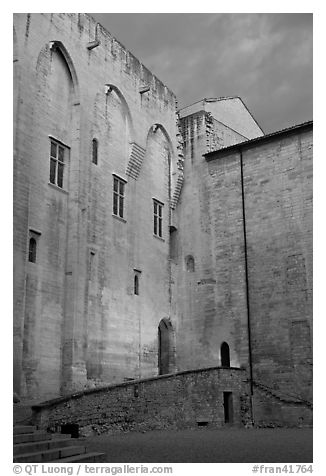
266, 59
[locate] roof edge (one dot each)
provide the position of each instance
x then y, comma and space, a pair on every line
104, 28
265, 138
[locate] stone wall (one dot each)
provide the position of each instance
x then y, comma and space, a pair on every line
244, 213
261, 192
210, 298
77, 321
182, 400
278, 201
277, 186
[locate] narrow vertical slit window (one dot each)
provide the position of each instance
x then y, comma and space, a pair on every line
95, 151
91, 265
137, 274
173, 244
33, 245
158, 218
136, 285
32, 250
118, 196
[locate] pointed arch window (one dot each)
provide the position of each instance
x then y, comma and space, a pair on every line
166, 356
32, 246
225, 355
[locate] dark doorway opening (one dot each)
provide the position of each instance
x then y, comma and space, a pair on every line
228, 407
225, 355
165, 347
70, 429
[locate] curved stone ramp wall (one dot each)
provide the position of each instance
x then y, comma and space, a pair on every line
275, 409
181, 400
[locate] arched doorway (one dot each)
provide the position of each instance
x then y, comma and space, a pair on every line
225, 355
165, 347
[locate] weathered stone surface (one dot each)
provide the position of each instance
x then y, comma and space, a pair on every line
236, 246
277, 202
77, 321
176, 401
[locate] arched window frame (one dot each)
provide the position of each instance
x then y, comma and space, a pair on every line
33, 245
225, 355
166, 366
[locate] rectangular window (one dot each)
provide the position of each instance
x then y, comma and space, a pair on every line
158, 218
58, 162
118, 196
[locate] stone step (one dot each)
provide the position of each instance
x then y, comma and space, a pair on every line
84, 458
28, 437
47, 456
18, 429
36, 446
22, 414
61, 435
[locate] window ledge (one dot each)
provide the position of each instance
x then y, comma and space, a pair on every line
52, 185
159, 238
119, 218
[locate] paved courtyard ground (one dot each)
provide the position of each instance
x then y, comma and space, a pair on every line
207, 446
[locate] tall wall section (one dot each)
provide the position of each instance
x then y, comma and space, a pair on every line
277, 185
208, 267
278, 201
77, 320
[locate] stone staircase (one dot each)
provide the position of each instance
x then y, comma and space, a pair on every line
36, 446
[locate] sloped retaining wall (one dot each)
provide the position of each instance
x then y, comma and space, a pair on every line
182, 400
272, 409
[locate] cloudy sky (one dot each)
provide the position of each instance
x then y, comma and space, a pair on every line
266, 59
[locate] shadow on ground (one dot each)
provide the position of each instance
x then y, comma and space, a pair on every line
207, 446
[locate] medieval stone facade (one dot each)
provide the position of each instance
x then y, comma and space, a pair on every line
149, 240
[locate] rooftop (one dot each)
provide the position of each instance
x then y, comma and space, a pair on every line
258, 140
